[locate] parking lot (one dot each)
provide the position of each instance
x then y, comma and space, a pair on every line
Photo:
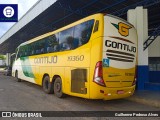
25, 96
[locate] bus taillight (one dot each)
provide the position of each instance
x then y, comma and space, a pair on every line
98, 74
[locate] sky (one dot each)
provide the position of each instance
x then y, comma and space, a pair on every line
23, 7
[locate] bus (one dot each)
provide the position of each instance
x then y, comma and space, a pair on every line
93, 58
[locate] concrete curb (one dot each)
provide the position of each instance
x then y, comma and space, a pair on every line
154, 103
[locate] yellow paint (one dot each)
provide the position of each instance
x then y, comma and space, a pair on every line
92, 52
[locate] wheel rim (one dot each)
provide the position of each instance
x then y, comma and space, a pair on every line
46, 84
58, 87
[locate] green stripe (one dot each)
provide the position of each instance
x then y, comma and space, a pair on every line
26, 67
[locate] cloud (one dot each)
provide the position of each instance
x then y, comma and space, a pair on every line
23, 7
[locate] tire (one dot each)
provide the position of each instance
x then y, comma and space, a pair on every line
47, 85
16, 75
58, 88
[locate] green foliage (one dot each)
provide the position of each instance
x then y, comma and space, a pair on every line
2, 57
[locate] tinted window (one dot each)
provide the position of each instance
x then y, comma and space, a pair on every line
21, 52
52, 43
66, 39
154, 63
82, 33
39, 47
32, 47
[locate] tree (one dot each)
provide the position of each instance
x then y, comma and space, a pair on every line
2, 57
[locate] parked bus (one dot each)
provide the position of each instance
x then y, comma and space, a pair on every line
92, 58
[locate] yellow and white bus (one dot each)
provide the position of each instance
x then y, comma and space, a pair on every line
92, 58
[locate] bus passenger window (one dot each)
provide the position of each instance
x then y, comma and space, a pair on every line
52, 43
41, 46
32, 49
82, 32
66, 39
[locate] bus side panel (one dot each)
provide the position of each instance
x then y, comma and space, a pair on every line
96, 56
67, 81
42, 71
24, 68
77, 76
60, 72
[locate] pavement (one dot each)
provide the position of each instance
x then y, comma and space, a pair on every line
151, 98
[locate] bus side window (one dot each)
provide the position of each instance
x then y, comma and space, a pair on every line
37, 48
26, 50
52, 43
66, 39
42, 46
83, 32
29, 50
32, 48
20, 53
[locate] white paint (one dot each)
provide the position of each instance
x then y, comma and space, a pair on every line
139, 18
8, 59
17, 65
120, 56
154, 48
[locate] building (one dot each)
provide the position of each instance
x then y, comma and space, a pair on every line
49, 15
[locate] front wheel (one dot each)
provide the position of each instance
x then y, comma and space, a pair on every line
58, 88
16, 75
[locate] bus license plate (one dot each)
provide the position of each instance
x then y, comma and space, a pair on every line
120, 92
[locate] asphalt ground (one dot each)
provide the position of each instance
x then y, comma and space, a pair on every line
25, 96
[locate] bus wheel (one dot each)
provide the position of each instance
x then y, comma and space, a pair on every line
58, 88
16, 75
47, 85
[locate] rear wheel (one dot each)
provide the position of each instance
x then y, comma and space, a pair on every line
47, 85
58, 88
16, 75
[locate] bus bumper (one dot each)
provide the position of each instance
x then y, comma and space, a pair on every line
117, 93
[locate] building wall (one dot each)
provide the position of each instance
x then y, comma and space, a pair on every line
154, 48
154, 65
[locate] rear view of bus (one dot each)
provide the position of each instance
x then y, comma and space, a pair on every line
116, 72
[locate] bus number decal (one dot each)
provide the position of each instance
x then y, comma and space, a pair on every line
76, 58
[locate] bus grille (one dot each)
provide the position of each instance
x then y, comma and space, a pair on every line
120, 56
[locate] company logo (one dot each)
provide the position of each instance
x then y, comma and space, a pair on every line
123, 28
120, 46
120, 51
8, 12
